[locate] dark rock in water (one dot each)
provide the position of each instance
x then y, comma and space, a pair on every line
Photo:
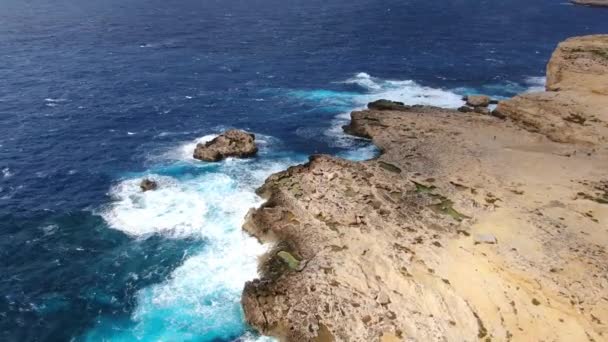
148, 184
465, 109
232, 143
387, 105
493, 102
478, 101
482, 110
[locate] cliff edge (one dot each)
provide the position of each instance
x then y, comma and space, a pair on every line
466, 228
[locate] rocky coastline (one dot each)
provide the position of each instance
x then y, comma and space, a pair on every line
467, 227
591, 3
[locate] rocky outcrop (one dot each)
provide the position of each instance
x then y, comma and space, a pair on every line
454, 233
232, 143
387, 105
466, 228
592, 3
147, 185
477, 104
580, 64
575, 107
478, 101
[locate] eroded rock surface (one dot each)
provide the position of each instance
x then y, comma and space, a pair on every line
580, 63
232, 143
466, 228
391, 247
575, 107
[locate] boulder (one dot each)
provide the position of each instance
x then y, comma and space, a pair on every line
148, 184
478, 100
387, 105
232, 143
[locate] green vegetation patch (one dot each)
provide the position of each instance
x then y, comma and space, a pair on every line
423, 189
289, 259
445, 207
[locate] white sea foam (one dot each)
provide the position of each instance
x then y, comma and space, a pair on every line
174, 209
406, 91
185, 150
6, 172
201, 298
535, 84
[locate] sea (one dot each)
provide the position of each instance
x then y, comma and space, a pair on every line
96, 95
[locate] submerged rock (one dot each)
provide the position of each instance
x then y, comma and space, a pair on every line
148, 184
232, 143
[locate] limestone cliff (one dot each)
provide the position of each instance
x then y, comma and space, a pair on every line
575, 107
466, 228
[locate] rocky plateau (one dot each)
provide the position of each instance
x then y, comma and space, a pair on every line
467, 227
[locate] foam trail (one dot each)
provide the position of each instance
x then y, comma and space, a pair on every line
408, 92
536, 84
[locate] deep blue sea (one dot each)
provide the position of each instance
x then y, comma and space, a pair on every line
95, 95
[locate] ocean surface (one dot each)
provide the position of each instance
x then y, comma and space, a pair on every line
95, 95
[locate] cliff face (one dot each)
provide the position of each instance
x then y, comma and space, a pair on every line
467, 227
575, 107
580, 64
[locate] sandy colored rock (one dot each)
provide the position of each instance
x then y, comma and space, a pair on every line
593, 3
580, 64
564, 116
466, 228
478, 101
404, 225
232, 143
575, 109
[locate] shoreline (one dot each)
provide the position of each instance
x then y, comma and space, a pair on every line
456, 230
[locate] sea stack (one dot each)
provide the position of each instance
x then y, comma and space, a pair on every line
232, 143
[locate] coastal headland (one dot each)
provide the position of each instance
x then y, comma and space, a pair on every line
466, 227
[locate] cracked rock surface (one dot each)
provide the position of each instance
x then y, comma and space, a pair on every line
465, 228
